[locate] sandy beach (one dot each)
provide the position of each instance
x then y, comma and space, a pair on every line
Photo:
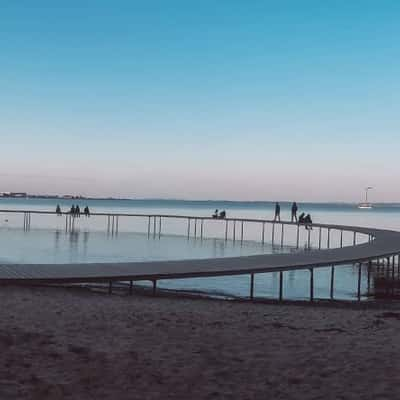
71, 343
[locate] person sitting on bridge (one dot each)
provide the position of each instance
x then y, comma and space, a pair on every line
222, 214
78, 211
308, 221
86, 211
58, 210
73, 210
215, 215
301, 218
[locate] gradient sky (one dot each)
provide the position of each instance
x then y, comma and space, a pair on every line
240, 100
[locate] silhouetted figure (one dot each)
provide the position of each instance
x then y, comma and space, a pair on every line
222, 214
215, 215
277, 216
78, 211
86, 211
73, 210
307, 219
58, 209
294, 211
302, 216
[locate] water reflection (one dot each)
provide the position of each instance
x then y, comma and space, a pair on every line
58, 246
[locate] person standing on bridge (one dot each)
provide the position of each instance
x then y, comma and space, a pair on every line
58, 210
294, 212
277, 216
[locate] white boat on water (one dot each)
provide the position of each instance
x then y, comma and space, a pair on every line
365, 204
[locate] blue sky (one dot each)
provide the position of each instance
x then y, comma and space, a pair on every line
256, 100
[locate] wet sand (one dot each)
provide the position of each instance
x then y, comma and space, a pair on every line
59, 343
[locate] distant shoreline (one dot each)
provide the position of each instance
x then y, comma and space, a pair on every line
190, 201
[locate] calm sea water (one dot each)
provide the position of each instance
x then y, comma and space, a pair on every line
48, 242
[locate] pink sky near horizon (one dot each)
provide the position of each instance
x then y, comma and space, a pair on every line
203, 186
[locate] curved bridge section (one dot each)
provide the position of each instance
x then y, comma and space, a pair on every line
383, 246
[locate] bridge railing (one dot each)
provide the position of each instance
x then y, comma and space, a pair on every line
279, 234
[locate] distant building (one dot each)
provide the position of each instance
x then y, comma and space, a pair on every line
15, 194
71, 196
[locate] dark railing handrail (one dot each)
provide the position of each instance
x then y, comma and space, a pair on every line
362, 230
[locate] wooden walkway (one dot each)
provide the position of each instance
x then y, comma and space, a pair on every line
385, 244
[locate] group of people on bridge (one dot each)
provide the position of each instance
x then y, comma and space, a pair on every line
302, 219
75, 211
221, 215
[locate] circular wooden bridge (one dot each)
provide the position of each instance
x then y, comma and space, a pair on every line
369, 247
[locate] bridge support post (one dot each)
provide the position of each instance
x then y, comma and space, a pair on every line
159, 228
27, 224
148, 227
241, 233
273, 233
398, 266
201, 229
393, 267
226, 230
27, 221
154, 287
297, 236
359, 282
341, 238
377, 265
369, 276
332, 282
311, 284
280, 285
282, 232
309, 239
387, 274
251, 286
188, 229
263, 233
328, 240
319, 238
354, 238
